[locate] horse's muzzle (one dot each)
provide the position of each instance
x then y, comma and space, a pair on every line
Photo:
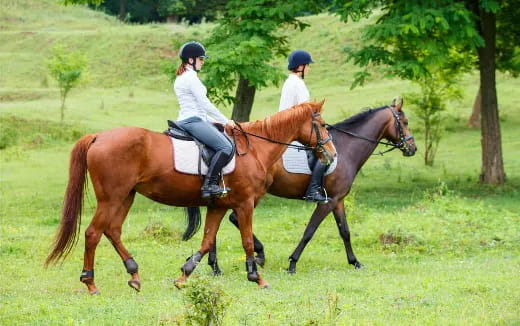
327, 158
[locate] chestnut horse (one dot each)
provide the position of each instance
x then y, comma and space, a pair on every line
355, 140
124, 161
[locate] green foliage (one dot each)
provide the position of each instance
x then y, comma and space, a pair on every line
408, 39
36, 133
66, 67
429, 105
246, 41
205, 302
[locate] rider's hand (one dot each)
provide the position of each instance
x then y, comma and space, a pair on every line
231, 123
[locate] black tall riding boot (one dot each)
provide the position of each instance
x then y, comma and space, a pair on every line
211, 186
314, 191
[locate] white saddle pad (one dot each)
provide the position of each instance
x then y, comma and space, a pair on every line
186, 158
295, 161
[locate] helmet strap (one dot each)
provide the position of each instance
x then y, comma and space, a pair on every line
302, 71
194, 63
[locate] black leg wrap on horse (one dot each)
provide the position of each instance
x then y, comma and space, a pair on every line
131, 266
191, 263
252, 274
86, 275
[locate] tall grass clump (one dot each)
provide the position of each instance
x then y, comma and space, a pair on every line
205, 303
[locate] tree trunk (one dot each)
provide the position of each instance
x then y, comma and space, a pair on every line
172, 19
492, 162
474, 119
245, 97
122, 10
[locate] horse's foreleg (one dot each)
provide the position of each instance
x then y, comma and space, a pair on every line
317, 217
213, 218
341, 222
245, 223
113, 233
259, 247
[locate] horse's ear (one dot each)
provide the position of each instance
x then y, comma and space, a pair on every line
397, 103
321, 105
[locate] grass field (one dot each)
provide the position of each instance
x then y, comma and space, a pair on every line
453, 258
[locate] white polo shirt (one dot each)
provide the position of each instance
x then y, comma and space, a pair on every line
294, 92
191, 94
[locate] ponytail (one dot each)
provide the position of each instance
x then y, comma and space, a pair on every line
181, 69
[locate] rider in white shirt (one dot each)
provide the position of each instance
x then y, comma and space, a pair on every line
295, 92
197, 113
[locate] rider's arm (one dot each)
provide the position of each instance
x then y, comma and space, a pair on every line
199, 91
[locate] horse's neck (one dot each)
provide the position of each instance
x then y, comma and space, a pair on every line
373, 128
278, 131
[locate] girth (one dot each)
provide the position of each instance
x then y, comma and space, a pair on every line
206, 152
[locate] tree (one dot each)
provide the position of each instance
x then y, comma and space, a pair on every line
66, 68
411, 36
244, 44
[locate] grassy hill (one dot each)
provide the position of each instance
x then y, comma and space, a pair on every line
454, 257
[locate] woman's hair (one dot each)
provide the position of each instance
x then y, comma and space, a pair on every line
181, 69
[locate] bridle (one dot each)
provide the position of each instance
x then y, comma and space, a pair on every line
401, 144
320, 142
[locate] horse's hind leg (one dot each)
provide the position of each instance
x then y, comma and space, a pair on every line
93, 234
113, 233
341, 222
107, 220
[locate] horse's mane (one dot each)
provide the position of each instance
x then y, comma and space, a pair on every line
358, 118
276, 124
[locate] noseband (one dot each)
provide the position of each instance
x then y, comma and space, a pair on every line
402, 145
320, 142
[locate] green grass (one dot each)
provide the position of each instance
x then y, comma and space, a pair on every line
438, 248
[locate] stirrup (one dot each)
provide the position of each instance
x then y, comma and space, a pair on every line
317, 197
214, 190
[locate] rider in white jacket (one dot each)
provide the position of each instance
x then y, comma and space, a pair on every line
295, 92
197, 112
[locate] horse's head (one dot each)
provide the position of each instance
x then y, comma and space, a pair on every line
397, 132
316, 134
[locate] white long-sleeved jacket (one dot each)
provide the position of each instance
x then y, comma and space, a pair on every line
191, 94
294, 92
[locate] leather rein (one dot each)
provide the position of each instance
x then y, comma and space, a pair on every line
399, 128
315, 128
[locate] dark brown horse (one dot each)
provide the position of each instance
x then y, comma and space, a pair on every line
124, 161
355, 140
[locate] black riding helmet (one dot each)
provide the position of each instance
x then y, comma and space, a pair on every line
192, 50
299, 57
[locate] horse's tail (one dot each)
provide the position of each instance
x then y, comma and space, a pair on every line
67, 234
193, 219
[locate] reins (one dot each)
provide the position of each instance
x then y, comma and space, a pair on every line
318, 147
399, 145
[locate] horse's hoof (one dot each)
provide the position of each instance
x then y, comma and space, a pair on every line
291, 271
358, 265
179, 283
95, 292
217, 273
134, 284
264, 287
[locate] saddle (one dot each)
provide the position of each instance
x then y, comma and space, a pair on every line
206, 152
